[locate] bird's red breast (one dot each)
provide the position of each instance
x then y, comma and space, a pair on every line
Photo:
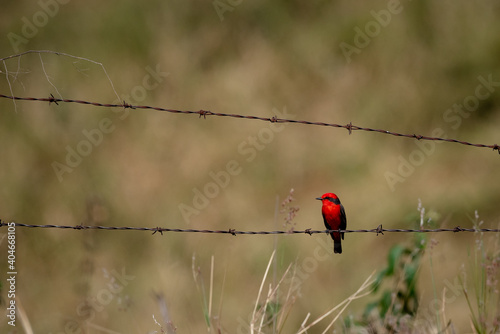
331, 212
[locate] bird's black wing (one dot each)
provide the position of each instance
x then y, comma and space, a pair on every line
343, 220
326, 224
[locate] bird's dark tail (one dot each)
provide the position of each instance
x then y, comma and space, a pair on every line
337, 247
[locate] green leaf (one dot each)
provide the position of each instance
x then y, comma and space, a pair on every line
385, 303
410, 275
393, 258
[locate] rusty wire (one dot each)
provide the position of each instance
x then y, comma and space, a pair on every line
349, 127
378, 230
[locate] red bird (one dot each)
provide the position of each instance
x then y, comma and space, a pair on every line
334, 218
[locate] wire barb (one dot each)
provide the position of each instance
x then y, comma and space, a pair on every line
349, 127
380, 230
127, 105
157, 229
52, 99
203, 113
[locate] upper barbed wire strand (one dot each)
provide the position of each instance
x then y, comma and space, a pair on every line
349, 127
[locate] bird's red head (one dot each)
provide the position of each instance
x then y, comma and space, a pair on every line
329, 197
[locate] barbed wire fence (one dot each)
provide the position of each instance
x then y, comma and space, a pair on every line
349, 127
234, 232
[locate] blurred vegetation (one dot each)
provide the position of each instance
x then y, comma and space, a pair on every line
483, 270
256, 58
401, 298
395, 309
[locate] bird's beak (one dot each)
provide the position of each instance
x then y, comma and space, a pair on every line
319, 198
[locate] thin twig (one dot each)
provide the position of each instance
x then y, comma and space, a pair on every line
39, 52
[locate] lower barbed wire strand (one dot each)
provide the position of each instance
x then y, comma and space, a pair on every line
378, 230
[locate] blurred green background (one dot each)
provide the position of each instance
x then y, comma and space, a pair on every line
411, 62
